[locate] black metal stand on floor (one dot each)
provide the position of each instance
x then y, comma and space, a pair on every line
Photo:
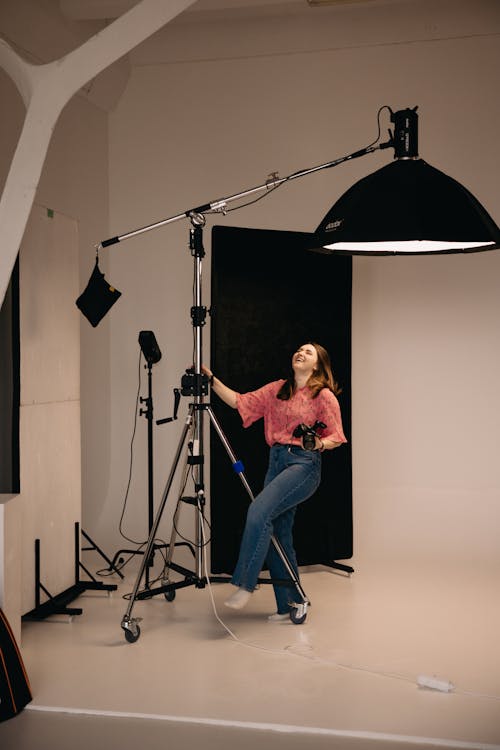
58, 605
148, 414
340, 566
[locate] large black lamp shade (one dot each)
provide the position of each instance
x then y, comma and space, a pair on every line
407, 207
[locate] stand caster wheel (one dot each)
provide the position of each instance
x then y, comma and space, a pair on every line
132, 637
170, 595
132, 630
298, 614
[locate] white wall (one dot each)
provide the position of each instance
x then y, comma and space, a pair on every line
75, 182
425, 330
74, 186
50, 495
425, 403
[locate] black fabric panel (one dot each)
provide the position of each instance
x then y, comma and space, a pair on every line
15, 690
269, 296
10, 387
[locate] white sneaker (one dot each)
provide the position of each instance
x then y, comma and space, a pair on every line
278, 618
238, 599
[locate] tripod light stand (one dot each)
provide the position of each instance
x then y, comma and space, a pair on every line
152, 355
404, 183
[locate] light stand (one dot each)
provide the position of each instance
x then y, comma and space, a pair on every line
152, 355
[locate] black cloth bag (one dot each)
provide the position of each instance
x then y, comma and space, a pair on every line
97, 298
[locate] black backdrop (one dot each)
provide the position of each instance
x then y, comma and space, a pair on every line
269, 295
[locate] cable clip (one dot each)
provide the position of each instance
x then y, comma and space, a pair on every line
272, 179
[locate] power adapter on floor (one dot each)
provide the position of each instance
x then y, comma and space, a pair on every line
434, 684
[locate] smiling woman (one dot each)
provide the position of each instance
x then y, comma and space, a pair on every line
307, 400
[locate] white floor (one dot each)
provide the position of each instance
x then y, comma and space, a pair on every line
345, 678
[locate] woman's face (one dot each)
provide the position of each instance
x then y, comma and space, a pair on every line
304, 360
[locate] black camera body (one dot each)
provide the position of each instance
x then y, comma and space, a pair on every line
308, 434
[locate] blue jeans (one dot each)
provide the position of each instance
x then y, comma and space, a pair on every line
293, 475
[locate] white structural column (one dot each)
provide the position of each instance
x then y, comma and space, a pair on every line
45, 90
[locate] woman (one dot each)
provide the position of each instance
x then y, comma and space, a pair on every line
308, 396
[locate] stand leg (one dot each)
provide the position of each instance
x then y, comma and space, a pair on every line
129, 624
173, 536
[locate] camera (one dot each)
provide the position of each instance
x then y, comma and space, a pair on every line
308, 434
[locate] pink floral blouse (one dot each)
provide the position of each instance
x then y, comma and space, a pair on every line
282, 417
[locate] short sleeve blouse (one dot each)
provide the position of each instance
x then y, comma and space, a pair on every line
282, 417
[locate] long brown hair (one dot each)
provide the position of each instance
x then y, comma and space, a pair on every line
321, 377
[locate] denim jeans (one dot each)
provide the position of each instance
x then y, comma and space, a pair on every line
293, 475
